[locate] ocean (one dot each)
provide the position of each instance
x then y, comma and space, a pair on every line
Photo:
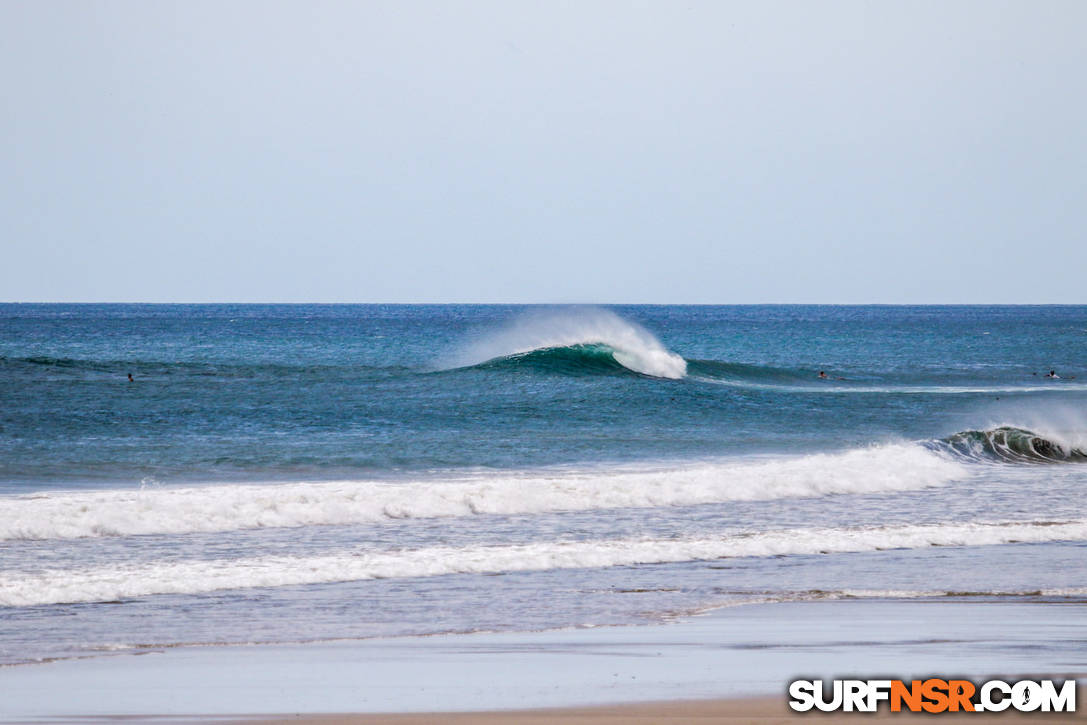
304, 473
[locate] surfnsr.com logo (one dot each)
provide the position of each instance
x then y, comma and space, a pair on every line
933, 695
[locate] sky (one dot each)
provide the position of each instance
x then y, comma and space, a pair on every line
553, 152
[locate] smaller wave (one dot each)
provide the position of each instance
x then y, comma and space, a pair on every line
150, 368
125, 581
784, 380
806, 380
582, 334
748, 375
80, 514
1013, 445
60, 363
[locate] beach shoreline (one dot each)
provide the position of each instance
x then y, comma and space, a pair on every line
765, 710
708, 666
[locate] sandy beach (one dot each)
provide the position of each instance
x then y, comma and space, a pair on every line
699, 669
761, 710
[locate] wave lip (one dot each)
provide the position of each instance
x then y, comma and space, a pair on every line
233, 507
1014, 445
579, 331
108, 583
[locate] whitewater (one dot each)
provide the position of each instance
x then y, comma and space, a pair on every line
190, 577
233, 507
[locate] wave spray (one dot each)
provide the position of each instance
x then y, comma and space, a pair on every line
631, 345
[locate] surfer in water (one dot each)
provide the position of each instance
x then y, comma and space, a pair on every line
823, 375
130, 379
1053, 374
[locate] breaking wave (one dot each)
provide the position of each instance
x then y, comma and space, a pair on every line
68, 515
575, 337
1014, 445
113, 582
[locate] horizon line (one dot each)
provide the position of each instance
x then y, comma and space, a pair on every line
561, 304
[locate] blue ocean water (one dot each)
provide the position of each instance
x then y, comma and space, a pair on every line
300, 472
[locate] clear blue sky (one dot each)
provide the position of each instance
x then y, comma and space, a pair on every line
716, 152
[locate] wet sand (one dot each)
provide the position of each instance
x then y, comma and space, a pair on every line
697, 669
759, 710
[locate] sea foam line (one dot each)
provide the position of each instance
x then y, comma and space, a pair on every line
169, 511
816, 387
108, 583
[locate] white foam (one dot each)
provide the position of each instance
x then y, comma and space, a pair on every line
634, 347
1059, 424
199, 576
929, 594
68, 515
816, 387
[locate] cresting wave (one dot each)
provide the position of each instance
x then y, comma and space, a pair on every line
572, 360
1015, 445
577, 332
68, 515
110, 583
